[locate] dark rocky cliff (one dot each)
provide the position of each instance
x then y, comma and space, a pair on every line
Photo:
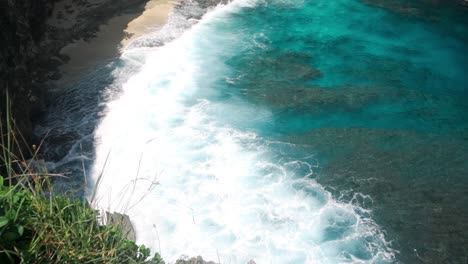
32, 33
22, 24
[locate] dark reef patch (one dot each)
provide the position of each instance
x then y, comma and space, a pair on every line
417, 185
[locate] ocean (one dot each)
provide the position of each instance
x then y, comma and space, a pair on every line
282, 131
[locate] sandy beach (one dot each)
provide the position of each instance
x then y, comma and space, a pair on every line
112, 37
154, 16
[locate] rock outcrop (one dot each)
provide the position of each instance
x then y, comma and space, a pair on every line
123, 223
22, 24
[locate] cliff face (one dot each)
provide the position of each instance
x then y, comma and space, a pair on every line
22, 24
32, 33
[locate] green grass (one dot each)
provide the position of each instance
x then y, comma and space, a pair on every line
39, 226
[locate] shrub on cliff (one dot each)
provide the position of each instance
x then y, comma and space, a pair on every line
40, 226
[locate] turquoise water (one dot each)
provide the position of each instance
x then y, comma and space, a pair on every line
286, 132
379, 97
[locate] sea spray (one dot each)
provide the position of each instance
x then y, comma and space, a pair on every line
280, 131
189, 168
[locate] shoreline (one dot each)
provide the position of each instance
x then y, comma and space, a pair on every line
91, 51
110, 39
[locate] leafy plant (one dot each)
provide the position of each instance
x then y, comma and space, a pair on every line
36, 227
12, 231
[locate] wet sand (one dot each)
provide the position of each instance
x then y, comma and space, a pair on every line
112, 38
154, 16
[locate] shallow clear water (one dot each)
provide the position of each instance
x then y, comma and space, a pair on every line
288, 132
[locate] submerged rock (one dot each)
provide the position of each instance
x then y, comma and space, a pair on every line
413, 181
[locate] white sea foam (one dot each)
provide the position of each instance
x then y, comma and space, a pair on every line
196, 184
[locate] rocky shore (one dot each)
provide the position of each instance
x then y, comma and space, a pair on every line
41, 36
42, 39
33, 34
